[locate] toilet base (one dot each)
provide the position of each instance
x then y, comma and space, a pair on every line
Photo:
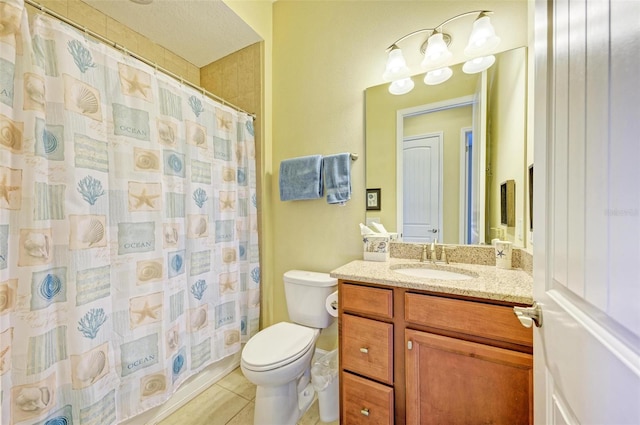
283, 404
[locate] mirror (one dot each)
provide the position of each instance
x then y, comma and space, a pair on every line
424, 150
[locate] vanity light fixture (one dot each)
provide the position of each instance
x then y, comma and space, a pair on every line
482, 41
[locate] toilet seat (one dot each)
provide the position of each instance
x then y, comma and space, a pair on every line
277, 345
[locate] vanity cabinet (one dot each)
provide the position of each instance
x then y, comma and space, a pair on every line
414, 357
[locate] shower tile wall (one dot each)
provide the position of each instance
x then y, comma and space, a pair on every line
236, 77
100, 23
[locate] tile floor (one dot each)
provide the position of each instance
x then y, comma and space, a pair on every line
229, 402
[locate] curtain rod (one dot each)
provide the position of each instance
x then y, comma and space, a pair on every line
124, 50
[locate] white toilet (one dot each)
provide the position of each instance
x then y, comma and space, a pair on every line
278, 358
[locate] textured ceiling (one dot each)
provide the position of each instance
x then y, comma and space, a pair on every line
200, 31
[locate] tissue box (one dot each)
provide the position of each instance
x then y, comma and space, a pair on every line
376, 248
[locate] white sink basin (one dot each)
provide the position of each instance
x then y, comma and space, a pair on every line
431, 273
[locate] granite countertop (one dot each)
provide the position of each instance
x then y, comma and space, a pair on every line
488, 282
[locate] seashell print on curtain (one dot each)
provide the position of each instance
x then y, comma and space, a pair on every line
128, 235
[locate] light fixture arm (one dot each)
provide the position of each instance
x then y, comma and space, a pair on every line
438, 27
407, 36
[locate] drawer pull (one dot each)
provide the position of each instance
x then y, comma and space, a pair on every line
365, 411
364, 350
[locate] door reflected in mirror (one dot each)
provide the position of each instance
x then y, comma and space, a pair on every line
441, 152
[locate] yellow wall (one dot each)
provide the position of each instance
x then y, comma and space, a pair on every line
450, 122
96, 21
507, 139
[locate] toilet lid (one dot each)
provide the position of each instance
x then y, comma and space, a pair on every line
277, 345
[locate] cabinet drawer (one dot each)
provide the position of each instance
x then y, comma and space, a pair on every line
367, 347
365, 402
484, 320
366, 300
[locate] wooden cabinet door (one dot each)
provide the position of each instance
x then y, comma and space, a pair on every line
451, 381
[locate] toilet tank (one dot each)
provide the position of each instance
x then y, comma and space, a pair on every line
306, 293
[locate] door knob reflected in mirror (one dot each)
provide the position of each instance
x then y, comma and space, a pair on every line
529, 315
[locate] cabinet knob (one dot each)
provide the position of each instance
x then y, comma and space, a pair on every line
364, 411
364, 350
409, 345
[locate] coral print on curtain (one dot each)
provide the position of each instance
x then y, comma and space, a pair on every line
128, 237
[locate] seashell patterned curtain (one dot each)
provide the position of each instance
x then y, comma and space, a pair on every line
128, 235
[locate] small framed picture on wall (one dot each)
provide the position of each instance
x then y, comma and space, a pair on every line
373, 200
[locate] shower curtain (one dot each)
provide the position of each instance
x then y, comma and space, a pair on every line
128, 234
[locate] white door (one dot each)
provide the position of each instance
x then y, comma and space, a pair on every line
421, 188
587, 212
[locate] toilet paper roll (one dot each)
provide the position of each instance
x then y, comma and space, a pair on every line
331, 304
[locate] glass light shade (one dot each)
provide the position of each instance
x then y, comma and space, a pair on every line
438, 76
402, 86
396, 68
478, 64
483, 38
437, 53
